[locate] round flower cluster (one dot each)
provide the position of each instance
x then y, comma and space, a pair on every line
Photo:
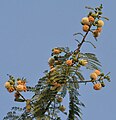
21, 86
9, 86
89, 21
94, 76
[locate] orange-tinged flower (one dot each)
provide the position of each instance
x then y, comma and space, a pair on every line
69, 62
7, 85
85, 21
99, 29
91, 19
97, 86
56, 51
100, 23
93, 76
97, 72
19, 82
85, 28
20, 88
10, 89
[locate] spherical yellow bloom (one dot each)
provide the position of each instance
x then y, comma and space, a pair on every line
20, 88
7, 85
97, 86
85, 28
19, 82
69, 62
97, 72
83, 62
93, 76
56, 51
100, 23
85, 21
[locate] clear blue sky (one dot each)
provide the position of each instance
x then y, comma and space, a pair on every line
29, 29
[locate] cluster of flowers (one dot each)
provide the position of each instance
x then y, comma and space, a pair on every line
98, 82
90, 20
68, 62
19, 86
53, 63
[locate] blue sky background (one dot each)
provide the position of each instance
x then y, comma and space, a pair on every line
30, 29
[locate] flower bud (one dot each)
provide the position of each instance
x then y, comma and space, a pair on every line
83, 62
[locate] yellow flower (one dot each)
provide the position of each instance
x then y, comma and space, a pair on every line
85, 28
97, 86
100, 23
85, 21
20, 88
56, 51
69, 62
7, 85
93, 76
97, 72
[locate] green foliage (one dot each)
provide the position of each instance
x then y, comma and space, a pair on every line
93, 62
62, 79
